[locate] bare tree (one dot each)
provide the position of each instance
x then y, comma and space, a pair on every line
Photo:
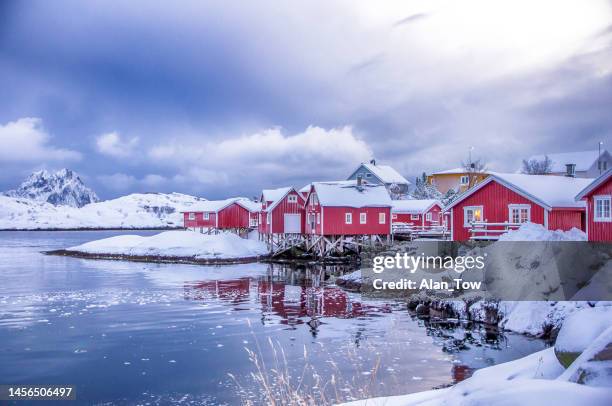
537, 167
473, 169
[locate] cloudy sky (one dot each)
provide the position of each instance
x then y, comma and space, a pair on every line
224, 98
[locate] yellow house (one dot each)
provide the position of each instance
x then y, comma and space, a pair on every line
457, 178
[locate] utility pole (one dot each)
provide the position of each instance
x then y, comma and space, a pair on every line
599, 166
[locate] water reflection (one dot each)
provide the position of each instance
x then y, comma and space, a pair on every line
288, 295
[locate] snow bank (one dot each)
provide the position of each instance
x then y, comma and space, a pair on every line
177, 244
537, 232
531, 380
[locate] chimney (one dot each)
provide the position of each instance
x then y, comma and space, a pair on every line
359, 180
570, 170
373, 162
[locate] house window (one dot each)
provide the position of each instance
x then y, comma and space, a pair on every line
519, 213
268, 218
191, 216
382, 218
414, 217
428, 216
292, 199
363, 218
394, 217
259, 218
206, 216
602, 208
471, 214
464, 180
348, 218
368, 175
318, 218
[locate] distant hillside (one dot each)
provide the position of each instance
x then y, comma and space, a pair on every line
146, 210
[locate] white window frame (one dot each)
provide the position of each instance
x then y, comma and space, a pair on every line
206, 216
363, 218
394, 217
292, 199
318, 218
268, 219
191, 216
414, 217
519, 207
348, 218
466, 223
464, 180
602, 198
428, 216
382, 218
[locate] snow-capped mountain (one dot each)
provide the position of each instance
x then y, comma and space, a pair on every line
139, 210
63, 188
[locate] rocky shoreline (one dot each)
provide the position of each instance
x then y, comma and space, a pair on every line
158, 259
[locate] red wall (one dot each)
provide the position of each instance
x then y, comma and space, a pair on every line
565, 219
436, 218
495, 199
333, 221
199, 220
233, 216
598, 231
278, 214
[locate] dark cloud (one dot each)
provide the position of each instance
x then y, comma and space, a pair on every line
208, 72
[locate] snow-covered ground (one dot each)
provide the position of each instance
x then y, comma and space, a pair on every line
139, 210
537, 232
184, 244
536, 379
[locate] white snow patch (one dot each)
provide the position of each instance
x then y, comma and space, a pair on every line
177, 244
537, 232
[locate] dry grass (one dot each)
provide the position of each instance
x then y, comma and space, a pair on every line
277, 385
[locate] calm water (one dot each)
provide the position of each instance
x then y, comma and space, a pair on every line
137, 333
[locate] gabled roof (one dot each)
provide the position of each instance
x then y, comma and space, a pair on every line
277, 195
384, 173
249, 204
594, 185
413, 206
583, 159
547, 191
348, 194
212, 205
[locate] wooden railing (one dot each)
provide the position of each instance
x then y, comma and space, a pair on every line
416, 231
483, 230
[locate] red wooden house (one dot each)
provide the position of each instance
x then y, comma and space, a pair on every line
505, 200
282, 211
346, 208
228, 214
598, 197
424, 213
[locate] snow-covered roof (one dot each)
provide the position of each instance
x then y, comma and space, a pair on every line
413, 206
276, 196
216, 205
455, 171
546, 190
595, 184
306, 188
583, 160
348, 194
385, 173
249, 204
